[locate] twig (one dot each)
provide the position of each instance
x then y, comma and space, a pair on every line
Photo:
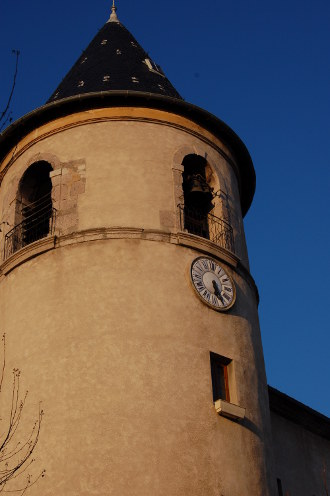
2, 116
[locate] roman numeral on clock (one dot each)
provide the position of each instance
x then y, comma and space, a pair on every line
214, 301
198, 268
206, 295
205, 264
212, 265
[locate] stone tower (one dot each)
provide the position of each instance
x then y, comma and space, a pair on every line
125, 289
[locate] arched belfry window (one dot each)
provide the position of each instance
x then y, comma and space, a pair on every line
197, 196
34, 216
34, 205
201, 199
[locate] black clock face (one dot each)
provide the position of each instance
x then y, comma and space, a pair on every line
213, 284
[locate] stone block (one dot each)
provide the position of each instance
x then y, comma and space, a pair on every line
68, 204
75, 177
55, 173
56, 180
56, 194
77, 188
64, 191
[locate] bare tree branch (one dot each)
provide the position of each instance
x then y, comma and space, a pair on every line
15, 455
3, 117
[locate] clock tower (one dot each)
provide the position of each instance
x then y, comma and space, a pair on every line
125, 288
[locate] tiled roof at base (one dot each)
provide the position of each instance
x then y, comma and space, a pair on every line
114, 60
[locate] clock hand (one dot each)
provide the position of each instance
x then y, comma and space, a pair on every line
217, 291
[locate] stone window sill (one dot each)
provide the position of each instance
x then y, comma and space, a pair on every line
229, 410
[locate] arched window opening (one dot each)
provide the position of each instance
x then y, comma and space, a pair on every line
35, 202
197, 196
201, 200
35, 216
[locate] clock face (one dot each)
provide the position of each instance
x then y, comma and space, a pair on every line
213, 284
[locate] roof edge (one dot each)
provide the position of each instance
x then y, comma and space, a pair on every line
53, 110
297, 412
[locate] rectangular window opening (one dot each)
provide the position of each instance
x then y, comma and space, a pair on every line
219, 374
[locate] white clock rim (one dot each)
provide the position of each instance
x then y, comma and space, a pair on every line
217, 309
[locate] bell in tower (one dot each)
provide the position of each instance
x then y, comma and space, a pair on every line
198, 193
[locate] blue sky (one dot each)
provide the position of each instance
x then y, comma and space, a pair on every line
264, 69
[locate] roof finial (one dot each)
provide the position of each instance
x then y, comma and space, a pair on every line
113, 16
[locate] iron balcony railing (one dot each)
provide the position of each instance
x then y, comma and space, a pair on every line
38, 222
207, 226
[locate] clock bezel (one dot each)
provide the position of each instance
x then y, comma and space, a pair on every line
209, 304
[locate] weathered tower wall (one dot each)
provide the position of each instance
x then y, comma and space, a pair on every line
106, 327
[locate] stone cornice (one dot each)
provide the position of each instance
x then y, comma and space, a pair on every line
179, 238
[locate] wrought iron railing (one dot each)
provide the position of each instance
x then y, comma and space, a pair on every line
38, 222
207, 226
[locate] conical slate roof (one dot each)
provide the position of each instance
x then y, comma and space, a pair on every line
115, 71
114, 60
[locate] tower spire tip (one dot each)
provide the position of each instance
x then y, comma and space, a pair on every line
113, 16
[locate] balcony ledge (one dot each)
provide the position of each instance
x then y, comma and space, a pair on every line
185, 239
207, 246
29, 251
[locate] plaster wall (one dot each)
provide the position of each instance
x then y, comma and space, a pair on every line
110, 334
302, 458
113, 340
